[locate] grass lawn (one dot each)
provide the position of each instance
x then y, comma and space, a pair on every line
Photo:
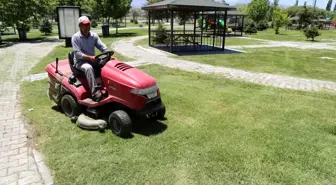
229, 42
283, 61
217, 131
292, 35
61, 51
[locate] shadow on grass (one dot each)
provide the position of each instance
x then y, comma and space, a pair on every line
148, 127
202, 50
12, 41
114, 35
145, 127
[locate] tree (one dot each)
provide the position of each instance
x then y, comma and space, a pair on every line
297, 3
328, 8
293, 10
158, 15
120, 9
241, 7
335, 8
271, 10
306, 15
280, 18
257, 10
19, 13
135, 13
46, 27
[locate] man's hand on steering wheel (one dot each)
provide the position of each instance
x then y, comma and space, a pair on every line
90, 58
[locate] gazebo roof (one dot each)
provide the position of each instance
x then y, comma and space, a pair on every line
189, 5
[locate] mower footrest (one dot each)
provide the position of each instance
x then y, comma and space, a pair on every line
89, 100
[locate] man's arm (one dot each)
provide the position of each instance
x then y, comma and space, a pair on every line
100, 45
78, 53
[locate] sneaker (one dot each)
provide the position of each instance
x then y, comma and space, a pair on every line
97, 96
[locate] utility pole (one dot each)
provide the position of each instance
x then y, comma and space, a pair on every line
314, 4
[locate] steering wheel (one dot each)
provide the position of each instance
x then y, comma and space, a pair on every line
103, 58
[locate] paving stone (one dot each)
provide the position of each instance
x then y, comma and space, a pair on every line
10, 152
29, 179
13, 135
9, 179
6, 143
20, 168
4, 159
3, 172
13, 183
5, 148
23, 149
18, 157
23, 161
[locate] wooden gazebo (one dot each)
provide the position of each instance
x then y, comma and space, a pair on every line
197, 39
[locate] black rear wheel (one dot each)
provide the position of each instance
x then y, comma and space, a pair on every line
69, 106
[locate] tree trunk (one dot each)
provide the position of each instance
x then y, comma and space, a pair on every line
276, 30
117, 27
14, 29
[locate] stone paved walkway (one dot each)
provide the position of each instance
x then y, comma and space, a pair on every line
126, 47
19, 162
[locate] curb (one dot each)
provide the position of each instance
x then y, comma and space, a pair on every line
42, 168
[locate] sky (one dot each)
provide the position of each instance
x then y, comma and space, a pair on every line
320, 3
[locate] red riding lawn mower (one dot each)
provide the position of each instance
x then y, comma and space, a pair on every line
128, 93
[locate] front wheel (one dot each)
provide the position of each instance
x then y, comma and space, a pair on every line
120, 123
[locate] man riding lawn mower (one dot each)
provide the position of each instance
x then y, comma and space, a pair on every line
121, 91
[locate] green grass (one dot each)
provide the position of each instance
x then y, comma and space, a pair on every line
283, 61
217, 131
229, 42
292, 35
61, 51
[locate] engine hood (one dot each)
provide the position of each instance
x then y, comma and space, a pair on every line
127, 75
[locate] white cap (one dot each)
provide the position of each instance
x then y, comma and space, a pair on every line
84, 20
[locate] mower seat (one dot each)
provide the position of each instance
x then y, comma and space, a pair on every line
75, 72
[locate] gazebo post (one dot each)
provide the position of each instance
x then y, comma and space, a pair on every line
241, 33
224, 35
202, 29
171, 30
236, 25
195, 16
214, 32
149, 28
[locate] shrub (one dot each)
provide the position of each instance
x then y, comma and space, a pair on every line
135, 21
94, 24
262, 25
311, 33
46, 27
131, 20
250, 30
161, 36
320, 26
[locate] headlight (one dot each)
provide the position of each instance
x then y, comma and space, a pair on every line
146, 91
